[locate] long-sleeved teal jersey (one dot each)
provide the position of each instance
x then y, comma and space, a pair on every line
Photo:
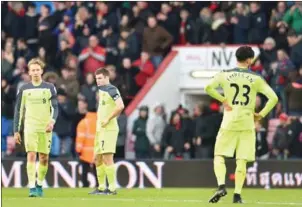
37, 106
240, 87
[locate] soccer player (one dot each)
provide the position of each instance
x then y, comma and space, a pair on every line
36, 105
237, 130
109, 107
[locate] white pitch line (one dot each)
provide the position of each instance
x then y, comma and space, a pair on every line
155, 200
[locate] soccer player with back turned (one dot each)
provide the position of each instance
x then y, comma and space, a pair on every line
36, 105
109, 107
237, 130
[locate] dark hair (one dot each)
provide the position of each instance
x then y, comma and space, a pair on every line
292, 33
244, 52
102, 71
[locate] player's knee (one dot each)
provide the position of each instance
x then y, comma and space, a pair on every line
218, 160
108, 159
241, 166
43, 159
31, 156
98, 160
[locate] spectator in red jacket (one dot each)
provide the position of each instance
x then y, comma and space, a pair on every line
146, 69
93, 56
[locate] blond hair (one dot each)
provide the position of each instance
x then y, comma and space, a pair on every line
36, 61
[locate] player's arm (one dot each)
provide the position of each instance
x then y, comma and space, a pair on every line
266, 90
119, 104
18, 115
54, 104
211, 87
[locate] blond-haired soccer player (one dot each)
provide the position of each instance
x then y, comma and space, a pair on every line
237, 131
109, 107
36, 105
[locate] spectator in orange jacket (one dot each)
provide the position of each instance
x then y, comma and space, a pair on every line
85, 144
146, 69
93, 56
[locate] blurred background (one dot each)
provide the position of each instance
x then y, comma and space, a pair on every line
160, 55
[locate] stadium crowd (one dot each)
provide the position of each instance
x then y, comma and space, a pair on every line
131, 39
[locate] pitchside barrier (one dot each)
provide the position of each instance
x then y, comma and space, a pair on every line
159, 174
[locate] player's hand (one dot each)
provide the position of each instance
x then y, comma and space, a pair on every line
169, 149
104, 123
17, 137
227, 106
50, 126
257, 117
157, 147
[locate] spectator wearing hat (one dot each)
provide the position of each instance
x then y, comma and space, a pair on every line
293, 95
295, 42
63, 123
155, 128
156, 41
142, 144
282, 138
93, 56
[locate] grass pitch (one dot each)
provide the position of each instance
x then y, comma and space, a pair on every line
167, 197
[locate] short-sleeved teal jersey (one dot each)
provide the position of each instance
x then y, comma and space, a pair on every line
36, 106
108, 94
240, 87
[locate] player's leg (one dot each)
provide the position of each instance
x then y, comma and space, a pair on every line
30, 141
108, 148
245, 152
224, 147
99, 165
44, 146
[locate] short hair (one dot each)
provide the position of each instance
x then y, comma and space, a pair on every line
244, 52
36, 61
292, 33
102, 71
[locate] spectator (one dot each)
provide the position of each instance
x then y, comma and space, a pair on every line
219, 27
203, 26
132, 42
277, 15
83, 40
268, 53
88, 90
241, 24
18, 71
280, 36
23, 51
51, 77
14, 19
82, 19
128, 72
122, 136
155, 128
146, 69
63, 53
295, 43
124, 24
86, 131
46, 59
156, 41
175, 141
258, 25
142, 145
6, 64
282, 138
114, 78
69, 83
123, 51
109, 40
296, 143
8, 98
25, 78
293, 94
63, 124
169, 20
65, 34
141, 13
108, 16
293, 17
262, 152
31, 30
93, 56
186, 29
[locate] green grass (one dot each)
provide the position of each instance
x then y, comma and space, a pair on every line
167, 197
